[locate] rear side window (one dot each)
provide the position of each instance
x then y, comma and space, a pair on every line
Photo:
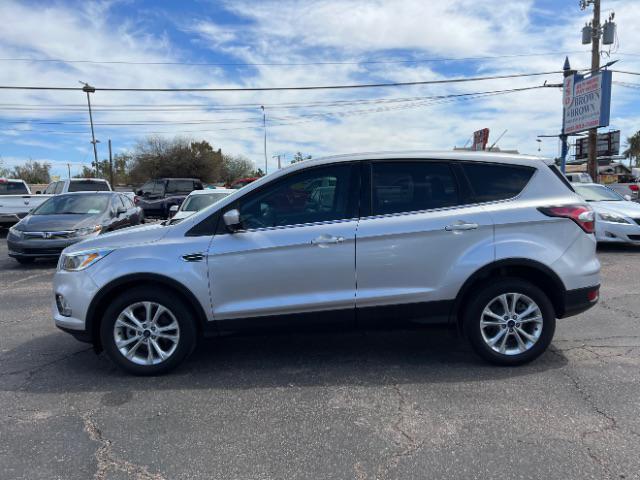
13, 188
88, 186
490, 182
180, 186
59, 187
412, 186
51, 188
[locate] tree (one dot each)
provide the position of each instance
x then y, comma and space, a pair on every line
33, 172
4, 172
298, 157
155, 157
633, 148
235, 167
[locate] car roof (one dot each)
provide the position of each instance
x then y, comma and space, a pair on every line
90, 192
85, 179
11, 180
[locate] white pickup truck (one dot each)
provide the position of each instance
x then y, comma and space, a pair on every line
16, 199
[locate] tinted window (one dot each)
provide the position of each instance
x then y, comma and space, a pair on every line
316, 195
88, 186
13, 188
180, 186
59, 187
412, 186
51, 188
491, 182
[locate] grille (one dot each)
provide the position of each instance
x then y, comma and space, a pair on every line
635, 238
48, 235
39, 251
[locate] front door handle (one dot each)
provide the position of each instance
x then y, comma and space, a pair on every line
324, 240
461, 226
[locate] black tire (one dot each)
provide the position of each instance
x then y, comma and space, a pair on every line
25, 260
166, 298
481, 299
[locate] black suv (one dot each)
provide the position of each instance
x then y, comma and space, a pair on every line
157, 196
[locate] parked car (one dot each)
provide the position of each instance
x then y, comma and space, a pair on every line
618, 219
630, 189
15, 201
156, 197
77, 185
68, 218
497, 245
196, 201
241, 182
579, 177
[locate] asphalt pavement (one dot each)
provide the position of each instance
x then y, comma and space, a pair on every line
383, 405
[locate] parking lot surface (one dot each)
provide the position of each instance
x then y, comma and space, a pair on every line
319, 406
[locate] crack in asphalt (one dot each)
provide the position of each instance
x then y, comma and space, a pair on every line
407, 444
106, 459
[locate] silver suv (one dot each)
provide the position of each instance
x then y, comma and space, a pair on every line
497, 245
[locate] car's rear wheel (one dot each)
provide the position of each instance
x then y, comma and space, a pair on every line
510, 322
148, 331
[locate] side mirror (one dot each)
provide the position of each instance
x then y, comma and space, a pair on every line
627, 197
232, 220
173, 209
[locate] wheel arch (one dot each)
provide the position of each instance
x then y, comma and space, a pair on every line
537, 273
101, 300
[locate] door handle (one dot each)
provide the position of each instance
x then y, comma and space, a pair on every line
324, 240
461, 226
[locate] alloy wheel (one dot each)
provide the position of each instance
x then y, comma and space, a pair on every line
146, 333
511, 323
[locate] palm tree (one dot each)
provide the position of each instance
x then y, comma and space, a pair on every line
633, 148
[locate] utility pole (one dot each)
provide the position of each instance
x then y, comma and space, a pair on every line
89, 89
595, 66
69, 170
278, 157
110, 166
564, 143
264, 126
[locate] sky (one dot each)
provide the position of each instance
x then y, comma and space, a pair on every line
278, 43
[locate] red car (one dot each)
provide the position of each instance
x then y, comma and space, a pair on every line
241, 182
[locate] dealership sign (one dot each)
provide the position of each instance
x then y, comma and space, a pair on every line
586, 102
480, 139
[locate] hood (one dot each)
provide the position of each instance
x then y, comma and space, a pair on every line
126, 237
624, 208
50, 223
180, 215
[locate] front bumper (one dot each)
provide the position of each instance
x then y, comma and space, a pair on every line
40, 248
10, 219
579, 300
611, 232
77, 289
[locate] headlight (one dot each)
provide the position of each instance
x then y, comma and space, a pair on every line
15, 232
83, 232
74, 262
612, 217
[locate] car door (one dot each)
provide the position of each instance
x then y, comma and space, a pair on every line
419, 241
295, 254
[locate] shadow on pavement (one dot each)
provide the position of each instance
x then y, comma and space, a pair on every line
618, 247
428, 356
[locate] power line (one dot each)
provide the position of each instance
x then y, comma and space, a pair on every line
626, 72
291, 64
313, 87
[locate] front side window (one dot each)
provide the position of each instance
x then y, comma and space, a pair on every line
491, 182
314, 195
59, 187
411, 186
51, 188
180, 186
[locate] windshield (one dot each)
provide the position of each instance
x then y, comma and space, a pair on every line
74, 204
13, 188
595, 193
195, 203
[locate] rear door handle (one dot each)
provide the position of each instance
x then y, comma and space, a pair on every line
324, 240
461, 226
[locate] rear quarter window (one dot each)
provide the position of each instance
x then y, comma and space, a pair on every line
490, 182
88, 186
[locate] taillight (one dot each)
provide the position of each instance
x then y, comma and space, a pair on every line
594, 294
583, 215
634, 188
136, 199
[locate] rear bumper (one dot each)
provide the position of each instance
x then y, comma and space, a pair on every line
579, 300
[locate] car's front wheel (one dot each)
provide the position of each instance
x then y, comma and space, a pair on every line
148, 331
509, 322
